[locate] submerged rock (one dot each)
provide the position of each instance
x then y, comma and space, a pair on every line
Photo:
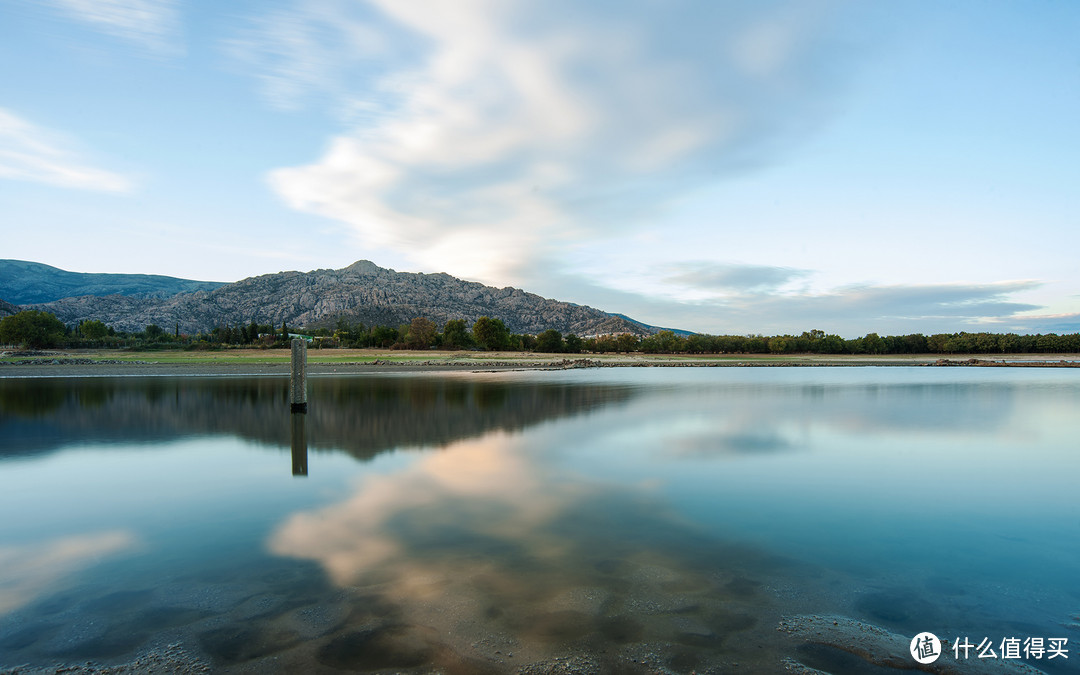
884, 648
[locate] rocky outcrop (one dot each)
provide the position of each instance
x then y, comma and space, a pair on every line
362, 292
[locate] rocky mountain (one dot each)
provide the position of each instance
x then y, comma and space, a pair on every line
6, 308
23, 282
361, 292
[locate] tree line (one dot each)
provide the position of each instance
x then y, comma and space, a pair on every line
34, 329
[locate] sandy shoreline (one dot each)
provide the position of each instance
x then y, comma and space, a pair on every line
110, 364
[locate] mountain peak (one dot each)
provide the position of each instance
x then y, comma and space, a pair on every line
362, 292
366, 267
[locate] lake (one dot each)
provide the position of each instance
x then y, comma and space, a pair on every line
598, 520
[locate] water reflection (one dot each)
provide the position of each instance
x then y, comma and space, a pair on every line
486, 548
627, 521
28, 569
362, 416
298, 438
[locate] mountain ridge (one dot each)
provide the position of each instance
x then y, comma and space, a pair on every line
361, 292
23, 283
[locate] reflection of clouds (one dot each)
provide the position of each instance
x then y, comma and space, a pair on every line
749, 418
729, 443
31, 568
482, 539
357, 535
728, 431
731, 419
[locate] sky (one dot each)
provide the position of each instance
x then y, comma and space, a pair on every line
723, 167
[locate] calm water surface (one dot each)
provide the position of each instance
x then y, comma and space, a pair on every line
619, 520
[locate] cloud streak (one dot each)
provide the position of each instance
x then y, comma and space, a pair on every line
322, 50
152, 24
528, 126
851, 310
730, 277
854, 310
30, 153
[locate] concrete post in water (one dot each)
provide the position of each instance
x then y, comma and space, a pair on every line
299, 444
298, 380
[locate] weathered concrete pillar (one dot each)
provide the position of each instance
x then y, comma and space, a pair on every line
299, 444
298, 380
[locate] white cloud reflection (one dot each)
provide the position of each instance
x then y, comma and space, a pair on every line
355, 537
29, 569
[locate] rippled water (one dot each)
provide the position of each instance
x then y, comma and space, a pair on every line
619, 520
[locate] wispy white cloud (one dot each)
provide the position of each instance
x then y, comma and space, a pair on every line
952, 305
31, 153
151, 24
851, 310
1034, 323
512, 129
730, 277
329, 51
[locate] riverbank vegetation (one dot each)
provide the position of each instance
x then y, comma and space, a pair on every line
34, 329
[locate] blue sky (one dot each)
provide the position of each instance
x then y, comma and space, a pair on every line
716, 166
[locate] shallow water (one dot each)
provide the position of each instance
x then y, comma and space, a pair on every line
619, 520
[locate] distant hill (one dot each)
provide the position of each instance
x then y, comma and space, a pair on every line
362, 292
7, 309
656, 329
23, 283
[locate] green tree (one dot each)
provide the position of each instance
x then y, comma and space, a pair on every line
383, 336
550, 342
664, 342
627, 342
1048, 343
756, 344
872, 343
730, 344
421, 334
1009, 343
915, 343
778, 345
936, 343
491, 334
515, 342
92, 329
33, 329
604, 344
831, 344
961, 343
697, 343
573, 343
456, 335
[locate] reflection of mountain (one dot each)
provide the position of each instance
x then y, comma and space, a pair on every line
362, 415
